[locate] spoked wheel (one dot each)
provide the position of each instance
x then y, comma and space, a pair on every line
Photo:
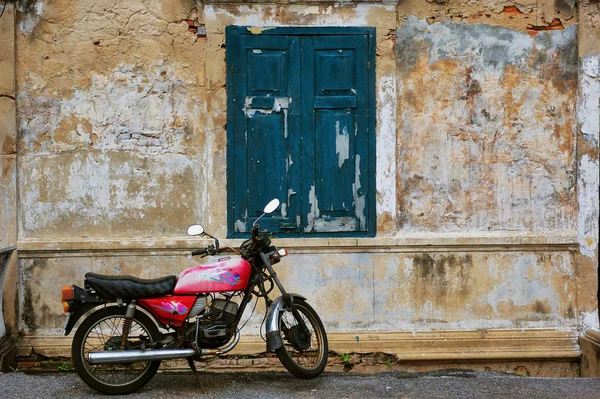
102, 331
303, 354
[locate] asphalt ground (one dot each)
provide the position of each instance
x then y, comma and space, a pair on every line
448, 384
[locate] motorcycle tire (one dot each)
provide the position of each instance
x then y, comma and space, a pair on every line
304, 357
114, 379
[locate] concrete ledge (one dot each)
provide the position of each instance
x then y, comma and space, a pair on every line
416, 242
501, 345
590, 350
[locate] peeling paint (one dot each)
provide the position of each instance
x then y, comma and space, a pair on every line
340, 223
589, 320
240, 226
284, 209
31, 16
486, 127
342, 143
387, 102
257, 30
359, 196
279, 103
590, 98
144, 109
261, 16
588, 185
314, 210
588, 188
88, 193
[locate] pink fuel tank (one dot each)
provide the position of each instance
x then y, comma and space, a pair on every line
225, 275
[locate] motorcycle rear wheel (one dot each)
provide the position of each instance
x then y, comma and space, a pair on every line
305, 357
102, 331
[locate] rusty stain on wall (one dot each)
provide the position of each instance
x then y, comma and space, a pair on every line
485, 131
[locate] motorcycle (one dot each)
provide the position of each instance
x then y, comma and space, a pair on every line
135, 323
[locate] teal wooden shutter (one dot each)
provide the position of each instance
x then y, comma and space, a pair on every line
335, 156
301, 128
264, 135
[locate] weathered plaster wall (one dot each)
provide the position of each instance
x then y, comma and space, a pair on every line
379, 291
486, 128
8, 170
111, 119
482, 187
485, 145
588, 142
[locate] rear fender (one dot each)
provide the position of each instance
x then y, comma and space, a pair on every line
76, 315
274, 340
81, 303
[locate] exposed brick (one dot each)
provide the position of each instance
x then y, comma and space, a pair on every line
512, 10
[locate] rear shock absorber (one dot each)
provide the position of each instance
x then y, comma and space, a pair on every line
127, 323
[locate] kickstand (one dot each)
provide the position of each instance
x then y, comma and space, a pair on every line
197, 375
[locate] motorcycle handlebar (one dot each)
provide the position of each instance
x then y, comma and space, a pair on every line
199, 252
254, 231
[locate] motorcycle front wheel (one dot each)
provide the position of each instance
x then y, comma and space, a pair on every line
303, 355
102, 331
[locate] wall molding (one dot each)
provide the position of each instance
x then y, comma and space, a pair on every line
420, 242
499, 345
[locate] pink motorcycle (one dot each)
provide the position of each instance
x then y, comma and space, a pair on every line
136, 323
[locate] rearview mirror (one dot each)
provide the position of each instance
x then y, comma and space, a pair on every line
271, 206
195, 230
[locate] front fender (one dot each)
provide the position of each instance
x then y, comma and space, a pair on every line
273, 335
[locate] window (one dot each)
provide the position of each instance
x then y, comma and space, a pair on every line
301, 128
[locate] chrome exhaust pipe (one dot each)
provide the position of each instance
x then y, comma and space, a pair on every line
221, 351
111, 357
132, 356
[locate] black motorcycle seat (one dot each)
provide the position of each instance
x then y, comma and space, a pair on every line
129, 287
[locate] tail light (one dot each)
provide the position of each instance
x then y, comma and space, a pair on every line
68, 294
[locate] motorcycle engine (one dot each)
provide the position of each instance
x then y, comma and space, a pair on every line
212, 328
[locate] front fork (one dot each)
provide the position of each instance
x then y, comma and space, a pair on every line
288, 300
